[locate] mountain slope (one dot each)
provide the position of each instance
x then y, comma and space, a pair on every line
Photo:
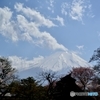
61, 62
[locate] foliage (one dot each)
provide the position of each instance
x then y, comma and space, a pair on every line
64, 87
6, 75
96, 56
31, 89
83, 75
28, 89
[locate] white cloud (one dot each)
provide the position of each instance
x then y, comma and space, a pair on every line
77, 9
6, 24
37, 37
48, 40
26, 27
90, 14
51, 3
21, 63
64, 8
33, 15
80, 46
49, 8
90, 6
77, 52
60, 19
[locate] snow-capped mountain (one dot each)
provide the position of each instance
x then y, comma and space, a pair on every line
61, 62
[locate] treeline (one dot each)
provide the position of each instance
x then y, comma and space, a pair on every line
80, 79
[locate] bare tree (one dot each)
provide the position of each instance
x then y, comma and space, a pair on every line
6, 75
83, 75
49, 77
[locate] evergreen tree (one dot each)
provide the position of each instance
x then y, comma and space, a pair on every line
96, 57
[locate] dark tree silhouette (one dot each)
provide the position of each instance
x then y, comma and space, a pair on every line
49, 77
64, 87
6, 75
27, 89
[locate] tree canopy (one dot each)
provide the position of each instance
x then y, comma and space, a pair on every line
96, 56
6, 75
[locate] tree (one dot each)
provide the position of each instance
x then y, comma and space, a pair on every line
49, 77
64, 87
96, 57
6, 75
27, 89
83, 75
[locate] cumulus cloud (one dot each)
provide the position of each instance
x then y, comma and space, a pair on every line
22, 63
26, 27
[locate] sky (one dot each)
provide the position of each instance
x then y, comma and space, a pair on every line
33, 29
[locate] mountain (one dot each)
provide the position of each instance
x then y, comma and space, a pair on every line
60, 62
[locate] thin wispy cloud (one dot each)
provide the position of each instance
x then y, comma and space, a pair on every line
49, 8
80, 50
98, 33
26, 0
23, 63
80, 47
64, 7
51, 5
60, 20
90, 13
77, 9
77, 52
26, 27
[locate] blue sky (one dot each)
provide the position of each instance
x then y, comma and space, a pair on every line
33, 29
